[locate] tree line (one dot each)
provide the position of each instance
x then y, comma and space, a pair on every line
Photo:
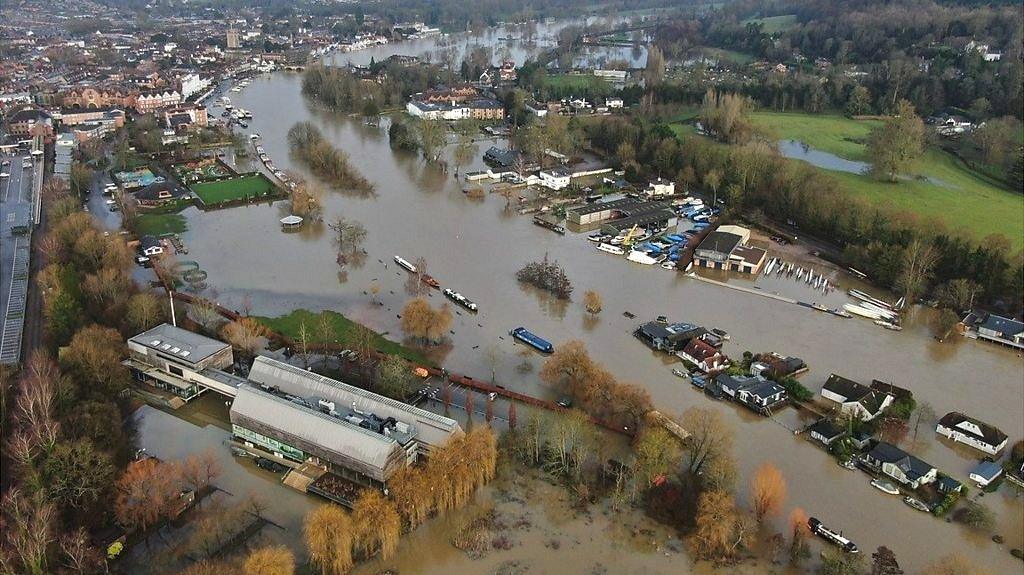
895, 248
325, 160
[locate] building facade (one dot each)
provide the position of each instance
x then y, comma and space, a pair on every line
970, 431
180, 361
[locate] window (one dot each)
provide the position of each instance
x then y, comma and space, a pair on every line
175, 371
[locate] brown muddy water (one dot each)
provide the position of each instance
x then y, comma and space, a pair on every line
475, 247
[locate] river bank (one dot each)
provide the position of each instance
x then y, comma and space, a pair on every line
475, 248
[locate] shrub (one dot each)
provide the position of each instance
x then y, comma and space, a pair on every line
795, 389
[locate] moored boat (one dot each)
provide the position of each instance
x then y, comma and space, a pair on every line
405, 264
430, 281
916, 504
885, 486
888, 325
538, 343
459, 299
861, 311
819, 529
611, 249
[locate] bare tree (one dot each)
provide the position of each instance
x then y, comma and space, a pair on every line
245, 334
767, 491
592, 302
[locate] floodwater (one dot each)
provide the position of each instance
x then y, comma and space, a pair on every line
515, 42
797, 150
476, 246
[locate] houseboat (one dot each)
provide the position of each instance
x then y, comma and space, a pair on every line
405, 264
540, 344
459, 299
549, 225
819, 529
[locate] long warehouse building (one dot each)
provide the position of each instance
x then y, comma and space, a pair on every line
356, 434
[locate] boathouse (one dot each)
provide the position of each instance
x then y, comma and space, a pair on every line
726, 249
995, 328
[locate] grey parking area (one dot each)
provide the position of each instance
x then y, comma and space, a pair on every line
15, 249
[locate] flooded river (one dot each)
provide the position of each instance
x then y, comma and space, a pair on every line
475, 247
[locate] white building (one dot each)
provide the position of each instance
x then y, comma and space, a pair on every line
855, 398
429, 111
612, 103
970, 431
660, 187
556, 178
192, 84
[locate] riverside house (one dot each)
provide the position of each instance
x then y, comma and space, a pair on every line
892, 461
855, 398
970, 431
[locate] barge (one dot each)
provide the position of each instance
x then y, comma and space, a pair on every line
549, 225
538, 343
459, 299
819, 529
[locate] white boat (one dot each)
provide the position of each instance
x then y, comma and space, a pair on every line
885, 486
888, 325
881, 311
459, 299
868, 298
668, 266
861, 311
405, 264
641, 258
609, 248
916, 504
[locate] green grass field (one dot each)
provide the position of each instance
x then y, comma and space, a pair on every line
773, 24
289, 325
575, 81
147, 224
247, 186
959, 197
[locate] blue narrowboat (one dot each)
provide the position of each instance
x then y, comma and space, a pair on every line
540, 344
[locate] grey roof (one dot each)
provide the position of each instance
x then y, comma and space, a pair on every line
168, 339
847, 388
721, 242
303, 427
432, 429
826, 429
911, 466
1006, 326
602, 206
987, 470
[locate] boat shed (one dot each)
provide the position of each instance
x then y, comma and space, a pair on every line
660, 218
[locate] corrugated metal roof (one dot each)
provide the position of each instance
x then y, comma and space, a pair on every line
432, 429
331, 433
186, 345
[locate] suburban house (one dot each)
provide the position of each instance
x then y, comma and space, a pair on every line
855, 398
970, 431
826, 432
150, 246
726, 249
659, 187
705, 356
755, 392
774, 366
985, 472
892, 461
995, 328
555, 178
667, 337
898, 393
159, 193
180, 361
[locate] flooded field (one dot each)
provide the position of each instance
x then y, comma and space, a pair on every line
475, 247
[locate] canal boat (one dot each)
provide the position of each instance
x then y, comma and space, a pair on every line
680, 373
430, 281
549, 225
819, 307
611, 249
840, 313
538, 343
885, 486
405, 264
916, 504
819, 529
459, 299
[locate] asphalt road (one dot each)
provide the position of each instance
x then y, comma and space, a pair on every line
15, 210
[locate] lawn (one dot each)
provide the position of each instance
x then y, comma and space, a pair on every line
247, 186
960, 197
289, 325
774, 24
155, 224
575, 82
